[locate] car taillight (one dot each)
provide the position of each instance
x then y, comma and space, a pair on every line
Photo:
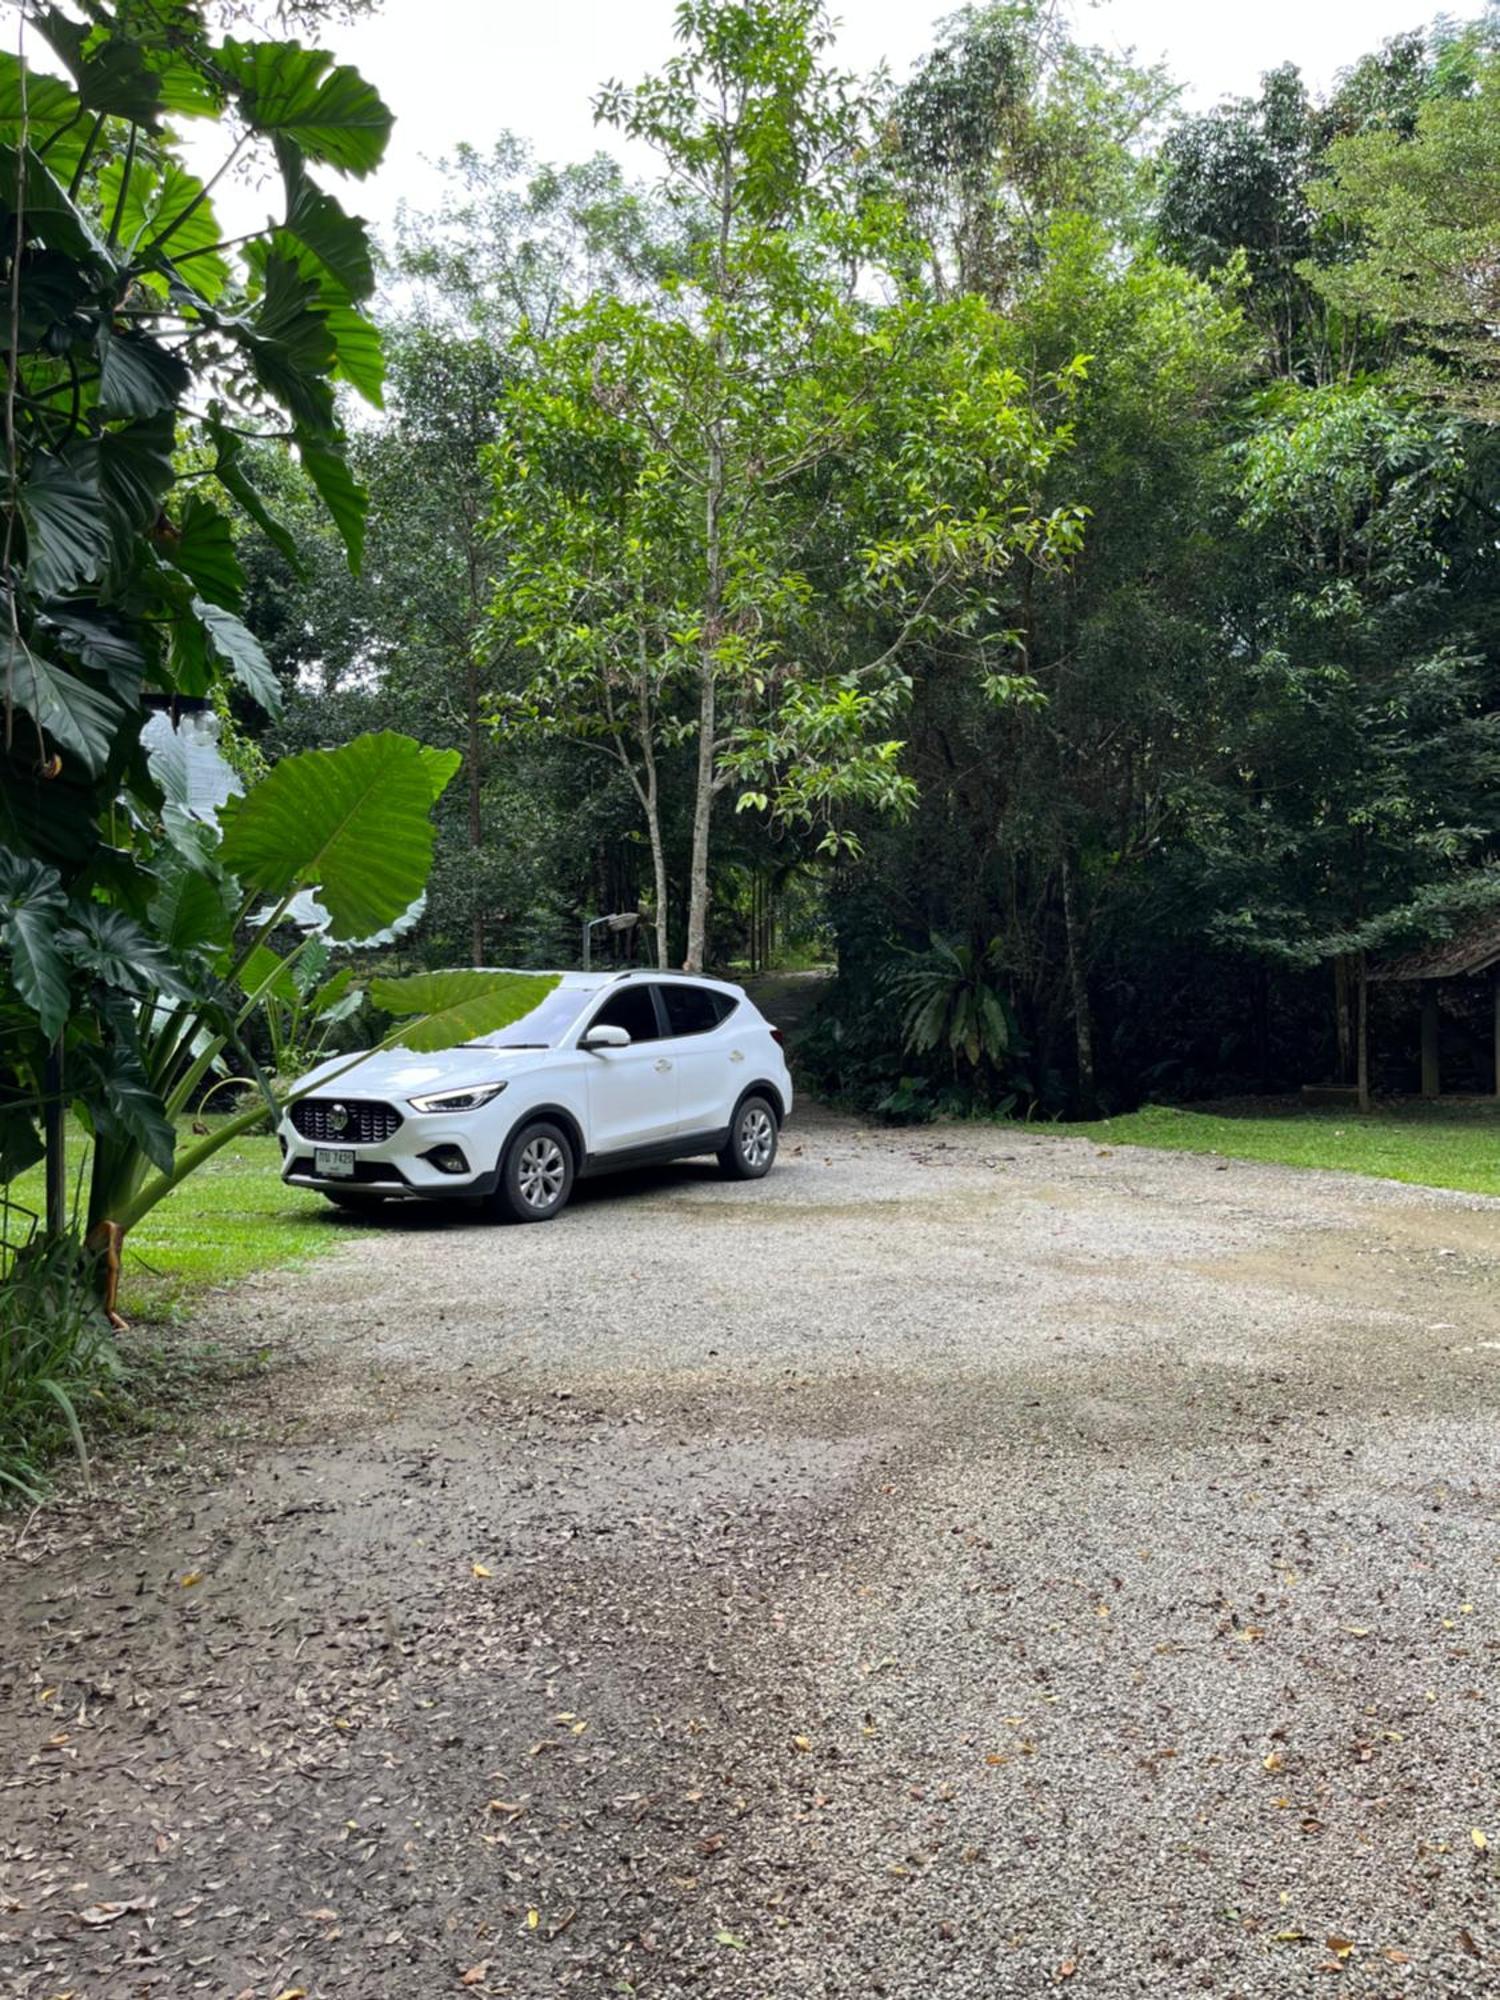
778, 1038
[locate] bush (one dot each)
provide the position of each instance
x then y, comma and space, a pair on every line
58, 1363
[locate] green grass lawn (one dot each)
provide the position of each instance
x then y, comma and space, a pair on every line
230, 1218
1447, 1146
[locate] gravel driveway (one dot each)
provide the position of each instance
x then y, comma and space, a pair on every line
961, 1566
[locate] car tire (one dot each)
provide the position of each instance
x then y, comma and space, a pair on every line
357, 1204
536, 1176
750, 1152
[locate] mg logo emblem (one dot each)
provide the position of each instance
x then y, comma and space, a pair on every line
338, 1119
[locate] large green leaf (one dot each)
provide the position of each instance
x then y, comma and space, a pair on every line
78, 717
332, 114
190, 911
101, 639
354, 823
453, 1007
166, 217
237, 648
32, 907
50, 216
109, 68
289, 343
237, 483
135, 467
267, 975
124, 1103
203, 548
341, 493
361, 352
138, 376
337, 242
109, 946
67, 533
50, 114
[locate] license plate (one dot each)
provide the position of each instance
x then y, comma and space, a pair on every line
333, 1163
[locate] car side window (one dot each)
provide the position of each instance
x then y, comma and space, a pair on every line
693, 1010
631, 1009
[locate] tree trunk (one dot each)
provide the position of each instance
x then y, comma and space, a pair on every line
1363, 1036
703, 797
703, 805
475, 800
1083, 1025
650, 797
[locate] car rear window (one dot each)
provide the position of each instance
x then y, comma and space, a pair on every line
693, 1010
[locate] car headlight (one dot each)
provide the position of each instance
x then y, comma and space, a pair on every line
457, 1100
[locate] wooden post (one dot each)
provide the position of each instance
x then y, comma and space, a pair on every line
1432, 1076
1497, 1031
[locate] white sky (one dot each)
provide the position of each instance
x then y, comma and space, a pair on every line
467, 69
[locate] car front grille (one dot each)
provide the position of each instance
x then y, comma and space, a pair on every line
345, 1121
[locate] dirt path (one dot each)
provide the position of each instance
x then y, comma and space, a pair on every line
959, 1566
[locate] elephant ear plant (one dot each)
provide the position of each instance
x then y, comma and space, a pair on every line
149, 1023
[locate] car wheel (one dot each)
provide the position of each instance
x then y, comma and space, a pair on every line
751, 1150
537, 1177
359, 1204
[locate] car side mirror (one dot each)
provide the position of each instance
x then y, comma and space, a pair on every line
606, 1037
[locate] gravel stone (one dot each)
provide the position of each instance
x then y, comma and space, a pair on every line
967, 1564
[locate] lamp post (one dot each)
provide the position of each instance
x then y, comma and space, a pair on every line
622, 920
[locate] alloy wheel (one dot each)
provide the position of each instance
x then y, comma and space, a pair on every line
541, 1171
757, 1136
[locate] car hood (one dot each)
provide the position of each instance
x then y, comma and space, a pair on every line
400, 1073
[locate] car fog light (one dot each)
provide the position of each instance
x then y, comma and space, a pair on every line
447, 1160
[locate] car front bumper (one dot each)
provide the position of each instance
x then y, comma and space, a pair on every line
399, 1167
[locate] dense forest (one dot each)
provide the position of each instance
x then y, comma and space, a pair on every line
991, 532
1099, 637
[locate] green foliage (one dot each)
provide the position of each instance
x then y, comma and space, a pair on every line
1421, 208
130, 315
949, 1005
58, 1365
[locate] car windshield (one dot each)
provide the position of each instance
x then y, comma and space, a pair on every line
543, 1028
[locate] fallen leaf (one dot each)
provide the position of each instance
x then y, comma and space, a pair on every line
508, 1806
533, 1918
292, 1993
1340, 1946
476, 1974
481, 1570
1478, 1839
801, 1743
1273, 1762
1068, 1967
193, 1576
729, 1938
994, 1758
1397, 1956
99, 1914
1469, 1945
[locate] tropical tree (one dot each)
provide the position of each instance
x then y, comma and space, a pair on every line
146, 357
1422, 207
723, 516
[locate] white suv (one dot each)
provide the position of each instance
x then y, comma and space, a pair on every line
609, 1070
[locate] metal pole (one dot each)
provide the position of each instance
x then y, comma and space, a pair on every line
588, 935
54, 1138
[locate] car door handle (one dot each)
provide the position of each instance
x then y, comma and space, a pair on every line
662, 1063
